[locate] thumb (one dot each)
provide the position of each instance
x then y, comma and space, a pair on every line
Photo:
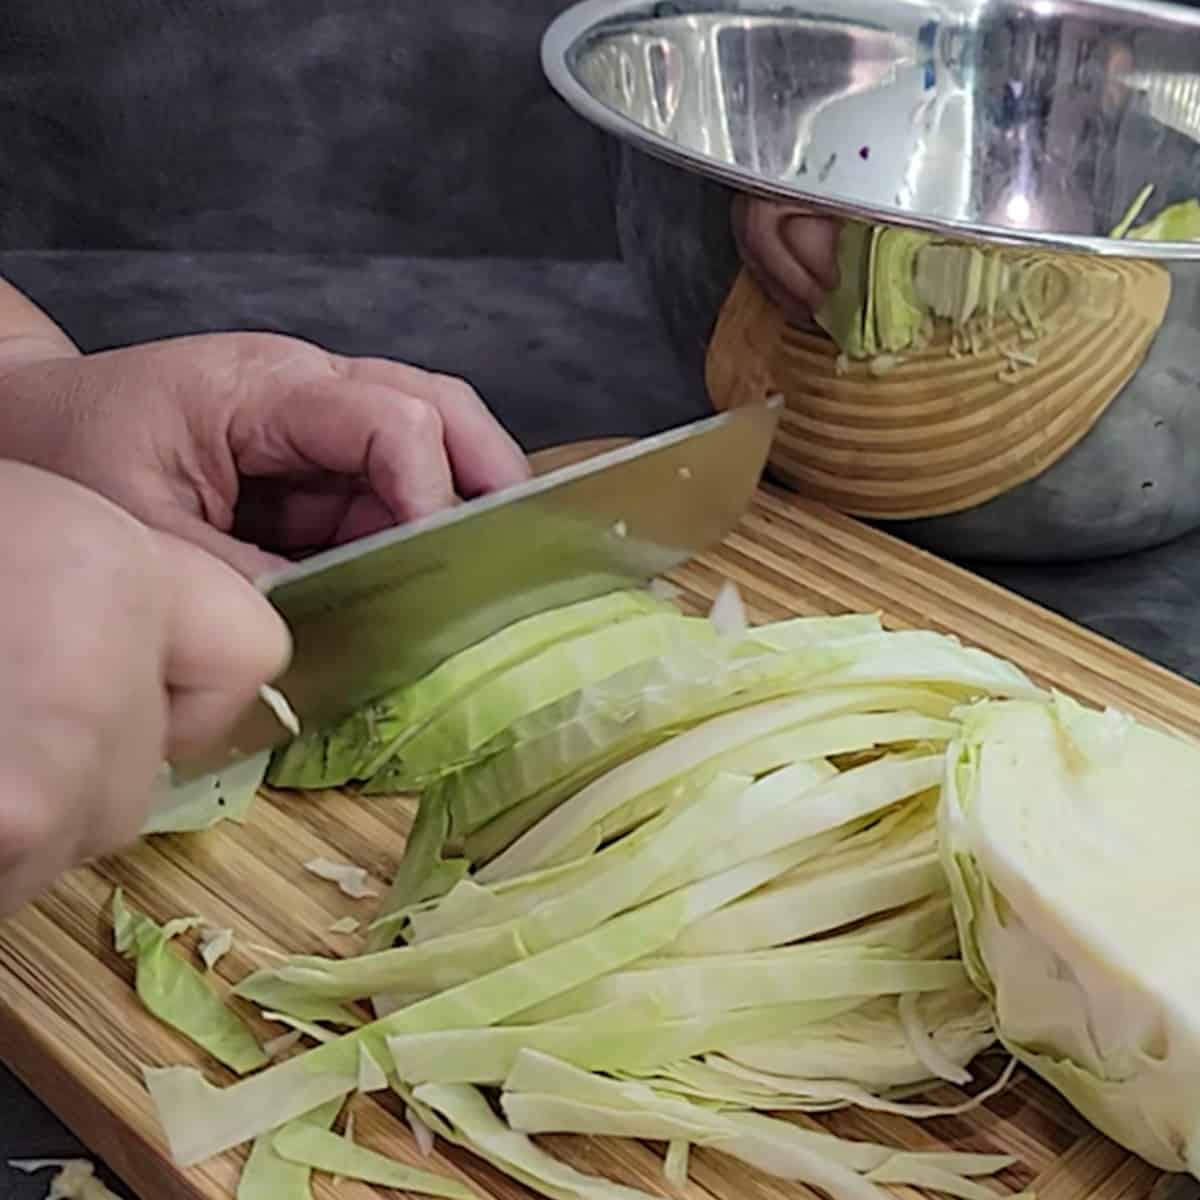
224, 641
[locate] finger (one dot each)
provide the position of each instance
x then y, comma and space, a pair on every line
246, 557
303, 515
224, 641
343, 425
797, 312
791, 253
366, 514
786, 271
813, 242
484, 457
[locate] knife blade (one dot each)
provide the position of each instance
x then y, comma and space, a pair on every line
379, 613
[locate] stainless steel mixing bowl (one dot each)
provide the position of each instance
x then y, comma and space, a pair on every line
899, 215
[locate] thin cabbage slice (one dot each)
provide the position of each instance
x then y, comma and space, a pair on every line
306, 1029
816, 1094
467, 1120
178, 994
409, 970
267, 1176
298, 1006
795, 632
422, 1134
423, 873
723, 983
320, 1150
930, 1176
644, 1040
710, 1082
677, 1162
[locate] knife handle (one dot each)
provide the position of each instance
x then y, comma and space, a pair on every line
569, 453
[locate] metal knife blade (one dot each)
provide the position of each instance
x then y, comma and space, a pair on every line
381, 612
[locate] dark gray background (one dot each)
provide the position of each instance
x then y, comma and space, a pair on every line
384, 177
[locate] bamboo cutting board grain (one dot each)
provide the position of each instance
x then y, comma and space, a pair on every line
73, 1030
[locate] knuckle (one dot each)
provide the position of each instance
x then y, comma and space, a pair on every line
423, 421
451, 389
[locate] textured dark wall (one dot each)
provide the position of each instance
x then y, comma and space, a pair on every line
379, 126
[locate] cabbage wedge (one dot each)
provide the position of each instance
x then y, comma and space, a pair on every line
1069, 837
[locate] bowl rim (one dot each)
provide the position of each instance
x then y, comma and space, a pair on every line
584, 19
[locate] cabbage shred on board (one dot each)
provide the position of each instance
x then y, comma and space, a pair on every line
673, 880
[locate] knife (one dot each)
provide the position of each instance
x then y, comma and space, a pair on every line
378, 613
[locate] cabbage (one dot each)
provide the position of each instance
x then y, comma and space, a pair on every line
677, 859
462, 1115
357, 747
544, 1095
178, 994
202, 803
214, 944
1175, 223
306, 1145
74, 1179
454, 737
641, 786
268, 1176
1069, 838
901, 288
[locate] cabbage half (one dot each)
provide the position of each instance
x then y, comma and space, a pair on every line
1069, 837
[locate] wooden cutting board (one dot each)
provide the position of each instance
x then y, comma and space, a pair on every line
72, 1029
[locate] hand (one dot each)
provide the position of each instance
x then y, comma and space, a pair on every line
254, 446
790, 252
120, 646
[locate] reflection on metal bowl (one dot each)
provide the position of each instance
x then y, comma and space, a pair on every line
957, 237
